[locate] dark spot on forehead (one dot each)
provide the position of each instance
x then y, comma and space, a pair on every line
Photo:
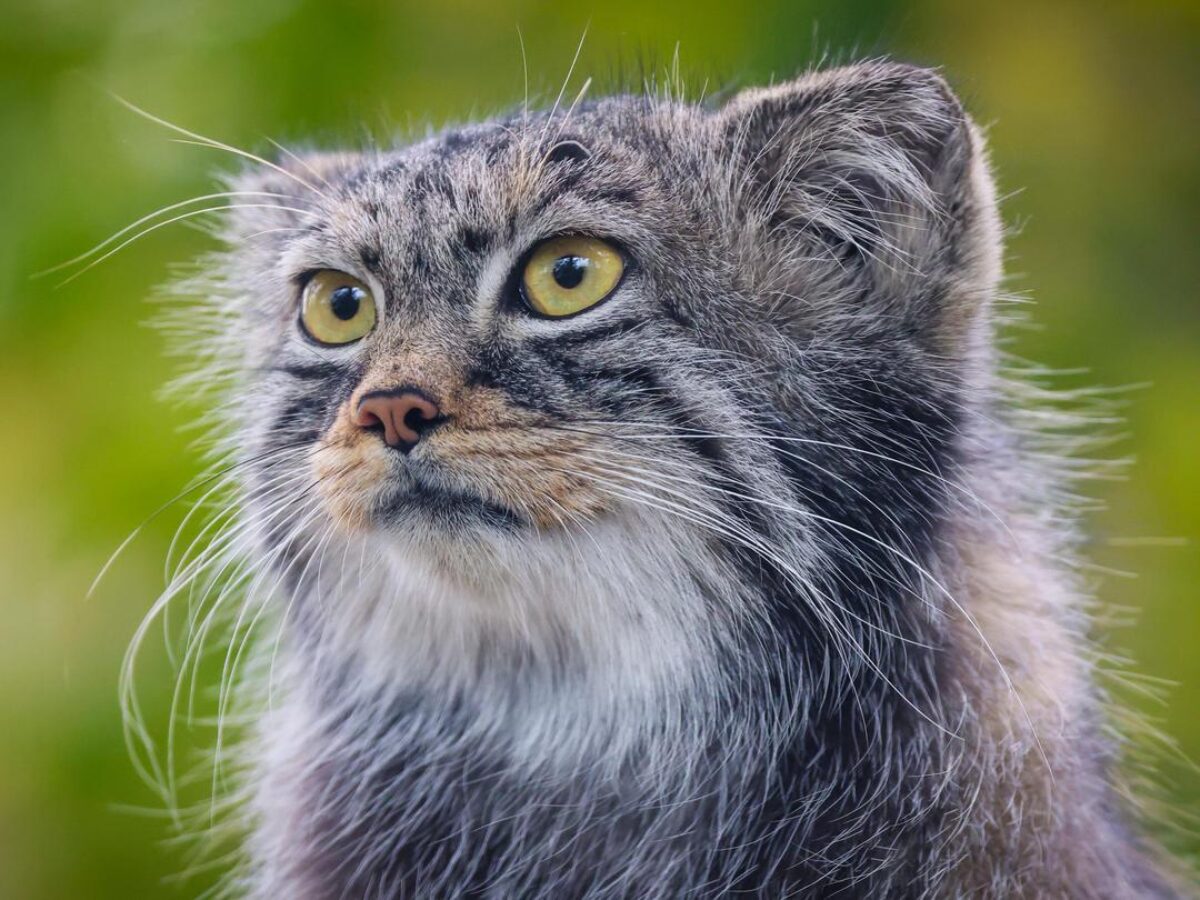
497, 148
623, 196
431, 181
419, 262
565, 182
453, 142
393, 171
473, 240
370, 258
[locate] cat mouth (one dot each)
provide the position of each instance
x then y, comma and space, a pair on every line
427, 496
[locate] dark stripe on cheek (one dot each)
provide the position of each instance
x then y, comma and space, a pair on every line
618, 196
316, 408
310, 372
597, 333
704, 446
474, 240
302, 412
370, 258
526, 380
687, 431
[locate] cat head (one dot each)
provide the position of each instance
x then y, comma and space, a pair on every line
517, 334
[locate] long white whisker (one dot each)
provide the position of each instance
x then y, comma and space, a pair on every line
839, 630
232, 658
218, 195
300, 161
562, 90
218, 145
620, 430
932, 580
203, 481
198, 634
179, 218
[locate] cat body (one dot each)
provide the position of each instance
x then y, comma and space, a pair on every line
744, 580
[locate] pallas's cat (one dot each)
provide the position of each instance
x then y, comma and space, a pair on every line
631, 504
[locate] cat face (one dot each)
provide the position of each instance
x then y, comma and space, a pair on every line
526, 384
525, 327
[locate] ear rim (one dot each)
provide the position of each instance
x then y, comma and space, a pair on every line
911, 106
937, 169
567, 150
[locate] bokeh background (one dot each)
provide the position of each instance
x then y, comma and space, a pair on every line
1094, 118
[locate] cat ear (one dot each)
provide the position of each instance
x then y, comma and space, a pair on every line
868, 186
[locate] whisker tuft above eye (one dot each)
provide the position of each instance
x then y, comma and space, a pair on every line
193, 137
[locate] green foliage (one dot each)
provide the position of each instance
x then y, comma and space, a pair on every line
1094, 113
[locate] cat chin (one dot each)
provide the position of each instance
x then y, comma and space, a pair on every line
443, 533
452, 497
441, 513
364, 498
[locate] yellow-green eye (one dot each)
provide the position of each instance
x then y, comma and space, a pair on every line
337, 308
566, 275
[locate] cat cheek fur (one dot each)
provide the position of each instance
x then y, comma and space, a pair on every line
352, 471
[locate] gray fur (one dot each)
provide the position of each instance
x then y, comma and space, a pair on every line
785, 610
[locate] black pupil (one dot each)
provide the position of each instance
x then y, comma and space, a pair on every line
345, 302
569, 271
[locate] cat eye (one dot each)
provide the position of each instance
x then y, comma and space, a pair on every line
566, 275
336, 308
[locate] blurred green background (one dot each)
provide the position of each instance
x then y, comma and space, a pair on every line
1094, 116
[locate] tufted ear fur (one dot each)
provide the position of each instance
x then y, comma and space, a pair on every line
869, 187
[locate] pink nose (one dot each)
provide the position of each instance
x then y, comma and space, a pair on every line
404, 414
